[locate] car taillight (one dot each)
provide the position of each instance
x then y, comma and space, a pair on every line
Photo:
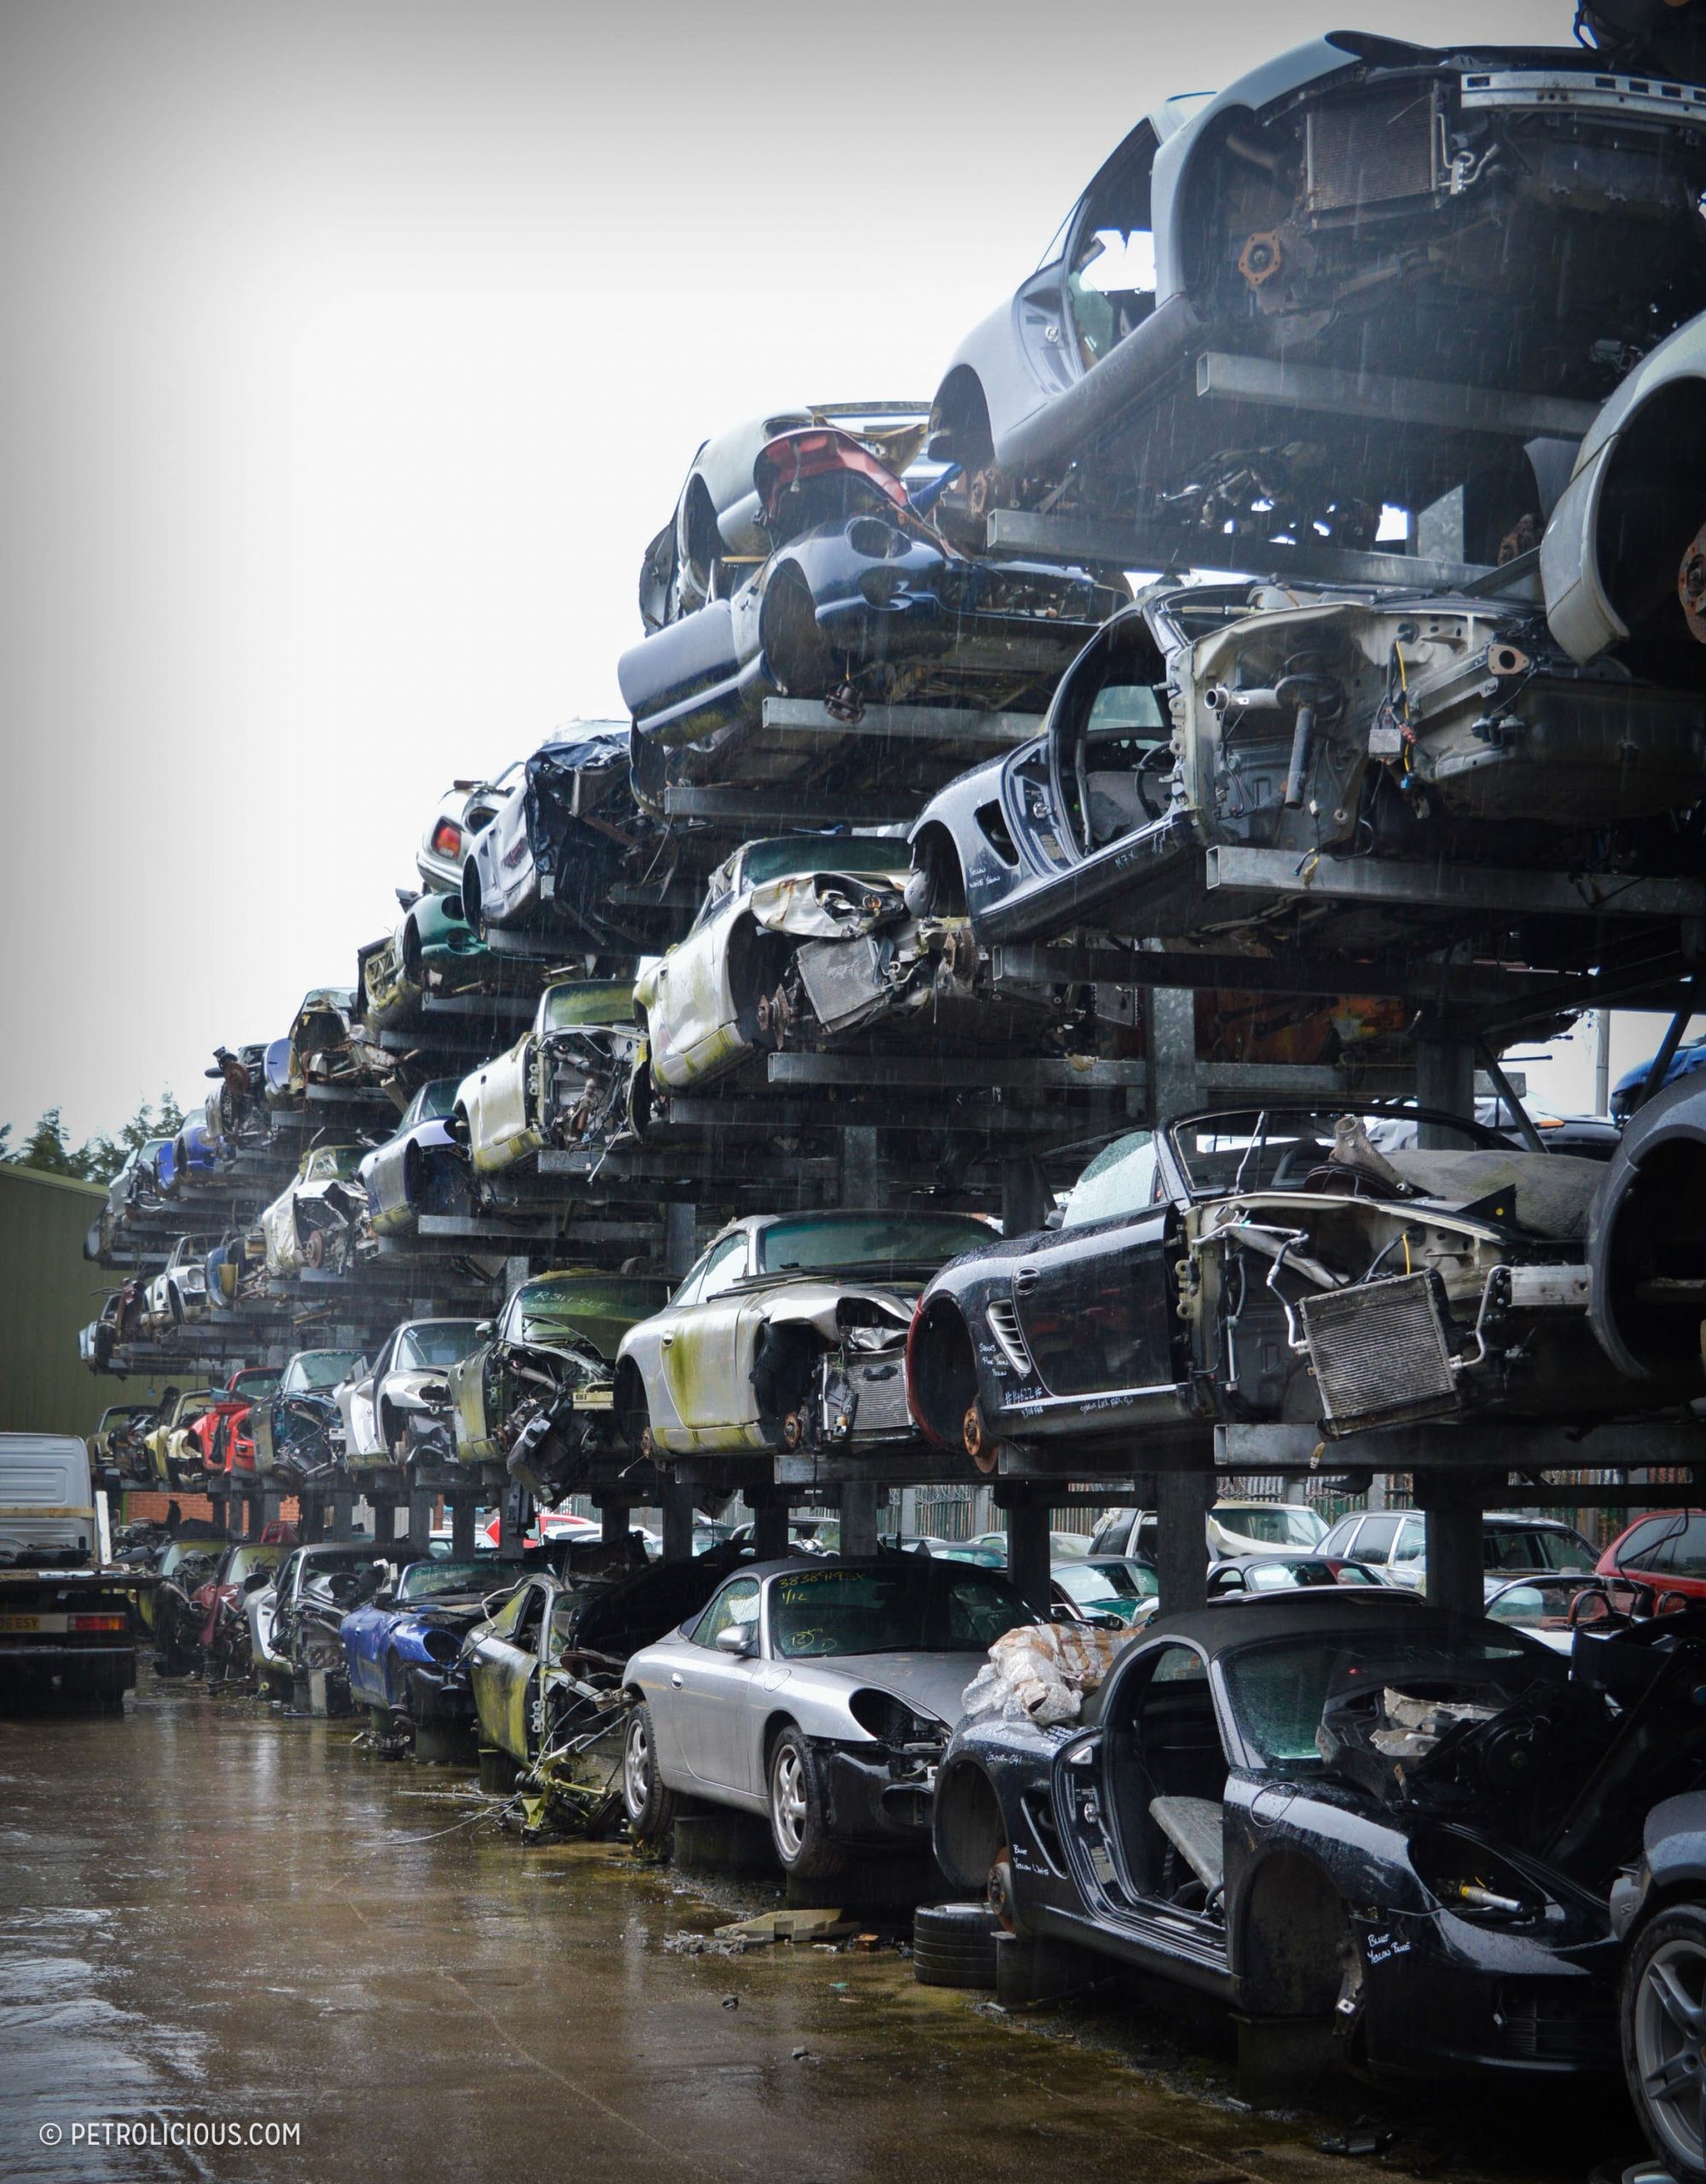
99, 1622
447, 838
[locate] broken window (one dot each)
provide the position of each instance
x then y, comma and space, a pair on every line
1111, 265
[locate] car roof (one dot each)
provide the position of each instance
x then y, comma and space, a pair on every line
1231, 1625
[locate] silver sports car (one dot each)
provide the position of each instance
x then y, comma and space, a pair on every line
820, 1694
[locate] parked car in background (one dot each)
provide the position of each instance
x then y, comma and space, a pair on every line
401, 1648
1231, 1529
382, 1404
790, 1332
420, 1169
1248, 1575
464, 810
1101, 1587
1239, 1266
535, 1393
548, 1528
819, 1694
1393, 1543
839, 587
214, 1636
584, 1035
1666, 1549
1258, 224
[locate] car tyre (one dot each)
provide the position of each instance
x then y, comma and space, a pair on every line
954, 1944
1663, 2017
799, 1825
650, 1809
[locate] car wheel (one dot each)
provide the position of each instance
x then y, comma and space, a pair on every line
798, 1826
650, 1809
1664, 2018
954, 1945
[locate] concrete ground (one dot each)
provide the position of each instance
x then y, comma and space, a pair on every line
216, 1921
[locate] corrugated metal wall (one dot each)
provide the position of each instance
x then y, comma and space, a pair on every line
48, 1291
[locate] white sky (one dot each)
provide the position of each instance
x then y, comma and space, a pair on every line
354, 349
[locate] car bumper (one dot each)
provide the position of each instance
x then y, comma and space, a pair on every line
1487, 2006
865, 1803
439, 1699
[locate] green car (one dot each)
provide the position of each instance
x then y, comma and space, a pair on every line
432, 952
1110, 1585
536, 1393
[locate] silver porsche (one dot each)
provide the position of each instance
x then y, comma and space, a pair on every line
820, 1694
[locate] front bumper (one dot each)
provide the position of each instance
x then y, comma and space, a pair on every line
439, 1699
866, 1801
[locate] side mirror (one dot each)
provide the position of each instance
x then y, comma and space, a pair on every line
257, 1578
735, 1638
485, 1330
385, 1596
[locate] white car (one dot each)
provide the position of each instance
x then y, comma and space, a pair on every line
1231, 1529
378, 1402
463, 811
308, 1223
513, 1107
1393, 1543
176, 1296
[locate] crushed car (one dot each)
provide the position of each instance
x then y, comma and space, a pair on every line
535, 1395
297, 1430
1246, 1265
326, 1049
818, 1694
823, 576
789, 1332
556, 1084
1333, 285
419, 1168
311, 1224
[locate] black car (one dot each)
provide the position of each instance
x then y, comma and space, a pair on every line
1659, 1913
1334, 1806
1243, 1265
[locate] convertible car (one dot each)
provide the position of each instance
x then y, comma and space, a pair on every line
552, 1083
1224, 756
811, 941
1335, 284
1248, 1266
821, 576
420, 1169
383, 1405
1348, 1810
572, 854
310, 1224
401, 1648
788, 1334
819, 1694
535, 1395
431, 952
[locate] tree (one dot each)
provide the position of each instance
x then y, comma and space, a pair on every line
98, 1158
45, 1149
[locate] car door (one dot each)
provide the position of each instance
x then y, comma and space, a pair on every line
710, 1692
1094, 1306
495, 1099
1408, 1566
644, 1347
503, 1664
695, 1344
361, 1409
690, 1020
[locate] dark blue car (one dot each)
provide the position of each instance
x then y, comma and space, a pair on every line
402, 1648
1627, 1091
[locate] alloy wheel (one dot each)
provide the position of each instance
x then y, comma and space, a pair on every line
1670, 2049
636, 1769
787, 1800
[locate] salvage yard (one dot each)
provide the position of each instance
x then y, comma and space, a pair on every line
213, 1913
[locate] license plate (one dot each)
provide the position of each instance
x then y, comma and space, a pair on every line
21, 1622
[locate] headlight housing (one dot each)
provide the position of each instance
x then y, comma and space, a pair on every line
892, 1721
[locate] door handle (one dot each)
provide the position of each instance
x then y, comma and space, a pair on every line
1025, 1279
676, 1679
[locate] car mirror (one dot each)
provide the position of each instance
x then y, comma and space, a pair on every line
735, 1638
485, 1330
257, 1578
385, 1596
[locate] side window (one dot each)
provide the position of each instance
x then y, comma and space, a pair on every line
1413, 1541
1226, 1581
1636, 1552
1110, 1533
1337, 1540
1688, 1553
735, 1604
1374, 1541
563, 1610
1180, 1664
726, 1266
530, 1618
505, 1622
688, 1291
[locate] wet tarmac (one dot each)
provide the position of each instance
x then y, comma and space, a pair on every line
218, 1925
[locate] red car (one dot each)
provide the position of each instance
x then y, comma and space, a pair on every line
225, 1434
1666, 1549
224, 1627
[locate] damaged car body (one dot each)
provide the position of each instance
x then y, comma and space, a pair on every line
297, 1429
420, 1169
536, 1394
790, 1332
1396, 1826
1337, 284
557, 1084
309, 1225
402, 1648
432, 953
820, 1695
1277, 1265
856, 597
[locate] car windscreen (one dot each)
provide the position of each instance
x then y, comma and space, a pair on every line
433, 1102
1516, 1548
933, 1608
776, 860
1279, 1148
1086, 1581
441, 1342
321, 1369
833, 1243
1274, 1525
263, 1555
433, 1580
568, 1006
1279, 1690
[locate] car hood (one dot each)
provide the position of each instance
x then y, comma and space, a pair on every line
933, 1683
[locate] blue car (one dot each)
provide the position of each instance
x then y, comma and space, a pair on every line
403, 1649
1627, 1089
194, 1153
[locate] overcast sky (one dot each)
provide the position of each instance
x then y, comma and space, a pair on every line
353, 352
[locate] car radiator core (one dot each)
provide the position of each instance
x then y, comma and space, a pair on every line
1379, 1353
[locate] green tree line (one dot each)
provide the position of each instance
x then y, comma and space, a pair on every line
48, 1151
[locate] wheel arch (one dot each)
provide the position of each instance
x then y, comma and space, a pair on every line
942, 1370
1289, 1940
970, 1826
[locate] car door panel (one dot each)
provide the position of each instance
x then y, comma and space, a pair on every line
1095, 1307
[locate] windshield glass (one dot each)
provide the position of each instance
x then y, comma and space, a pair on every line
1279, 1691
566, 1005
321, 1369
439, 1342
825, 1243
246, 1560
433, 1580
432, 1103
1274, 1524
554, 1313
935, 1607
776, 860
1279, 1148
1283, 1573
1120, 1180
1087, 1581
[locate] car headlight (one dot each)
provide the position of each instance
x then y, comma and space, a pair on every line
1472, 1882
442, 1647
892, 1721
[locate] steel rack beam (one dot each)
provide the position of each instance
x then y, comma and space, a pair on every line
1436, 1447
791, 807
1468, 986
1386, 399
1450, 886
458, 1007
530, 947
1070, 537
677, 895
925, 1072
807, 722
365, 1097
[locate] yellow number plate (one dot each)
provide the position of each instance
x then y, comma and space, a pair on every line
21, 1622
